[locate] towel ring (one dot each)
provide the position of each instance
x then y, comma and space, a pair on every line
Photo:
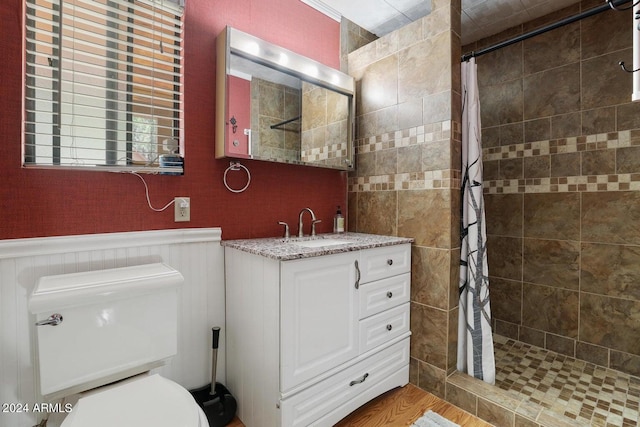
236, 166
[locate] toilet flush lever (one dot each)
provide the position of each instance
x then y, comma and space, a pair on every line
53, 320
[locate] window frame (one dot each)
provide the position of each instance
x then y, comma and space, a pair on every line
173, 143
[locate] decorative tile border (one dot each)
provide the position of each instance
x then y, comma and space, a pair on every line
604, 141
565, 145
407, 137
621, 182
429, 180
425, 180
324, 153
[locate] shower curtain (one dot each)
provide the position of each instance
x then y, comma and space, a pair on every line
475, 343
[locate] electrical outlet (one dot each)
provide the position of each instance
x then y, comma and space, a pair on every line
182, 206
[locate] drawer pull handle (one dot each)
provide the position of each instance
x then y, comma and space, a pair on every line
389, 294
357, 275
389, 327
360, 380
390, 261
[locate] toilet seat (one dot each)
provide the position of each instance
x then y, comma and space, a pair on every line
147, 400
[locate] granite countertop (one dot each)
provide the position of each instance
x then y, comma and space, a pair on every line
286, 249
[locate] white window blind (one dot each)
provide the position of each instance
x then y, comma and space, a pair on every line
104, 84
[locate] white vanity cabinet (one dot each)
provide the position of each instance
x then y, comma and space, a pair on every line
310, 340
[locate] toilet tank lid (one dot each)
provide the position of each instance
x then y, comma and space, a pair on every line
96, 286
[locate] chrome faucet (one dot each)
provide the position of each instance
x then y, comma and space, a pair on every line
314, 221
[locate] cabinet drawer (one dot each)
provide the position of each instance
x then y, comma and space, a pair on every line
376, 297
380, 263
313, 403
383, 327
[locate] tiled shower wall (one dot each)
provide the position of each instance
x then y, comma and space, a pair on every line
274, 103
324, 126
562, 178
408, 171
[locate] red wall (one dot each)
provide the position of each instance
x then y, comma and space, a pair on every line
36, 203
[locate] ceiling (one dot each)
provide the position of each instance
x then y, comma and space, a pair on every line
480, 18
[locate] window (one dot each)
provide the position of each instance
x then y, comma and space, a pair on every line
104, 84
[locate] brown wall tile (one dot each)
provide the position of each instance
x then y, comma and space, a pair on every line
512, 133
565, 164
432, 379
500, 66
600, 120
611, 217
501, 103
425, 215
436, 108
506, 329
424, 68
379, 85
552, 49
386, 162
552, 216
429, 335
430, 276
503, 214
452, 344
410, 114
599, 162
436, 155
561, 345
537, 130
537, 167
510, 169
490, 136
610, 322
377, 212
552, 92
491, 170
611, 270
506, 300
628, 160
628, 115
524, 422
366, 164
495, 414
625, 362
566, 125
602, 89
618, 33
552, 262
550, 309
410, 159
505, 257
532, 336
462, 398
592, 353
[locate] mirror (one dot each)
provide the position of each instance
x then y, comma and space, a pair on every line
275, 105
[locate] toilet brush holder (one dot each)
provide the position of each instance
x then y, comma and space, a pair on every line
215, 399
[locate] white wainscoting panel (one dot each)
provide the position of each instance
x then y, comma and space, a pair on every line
196, 253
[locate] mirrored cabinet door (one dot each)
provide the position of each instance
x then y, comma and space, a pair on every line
275, 105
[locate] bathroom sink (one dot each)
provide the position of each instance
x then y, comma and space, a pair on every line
317, 243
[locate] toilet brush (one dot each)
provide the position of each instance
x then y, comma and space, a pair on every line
215, 399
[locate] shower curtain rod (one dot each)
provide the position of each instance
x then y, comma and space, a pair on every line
544, 29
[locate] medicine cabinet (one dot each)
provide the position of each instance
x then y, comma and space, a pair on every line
275, 105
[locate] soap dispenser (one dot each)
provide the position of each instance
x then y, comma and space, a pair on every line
338, 222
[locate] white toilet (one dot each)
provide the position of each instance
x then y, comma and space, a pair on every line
99, 334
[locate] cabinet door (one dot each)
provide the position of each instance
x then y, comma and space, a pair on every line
319, 316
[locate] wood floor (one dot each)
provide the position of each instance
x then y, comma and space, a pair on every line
401, 407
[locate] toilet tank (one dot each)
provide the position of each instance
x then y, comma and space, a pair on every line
115, 323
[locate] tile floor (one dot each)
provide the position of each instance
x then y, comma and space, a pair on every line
584, 392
